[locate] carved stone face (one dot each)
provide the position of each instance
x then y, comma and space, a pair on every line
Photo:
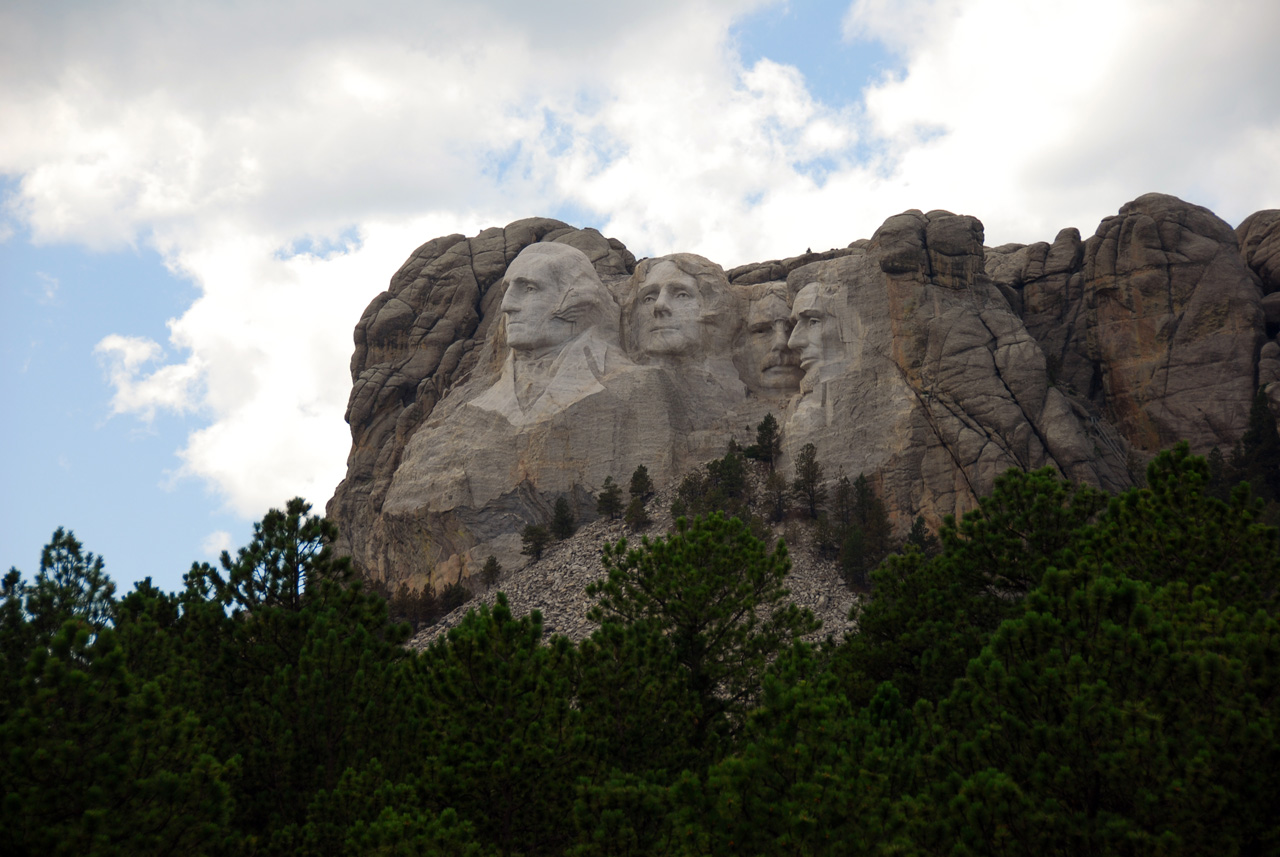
815, 338
769, 360
668, 312
535, 288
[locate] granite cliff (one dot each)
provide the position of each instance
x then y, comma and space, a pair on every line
500, 372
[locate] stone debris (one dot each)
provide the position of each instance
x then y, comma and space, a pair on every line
556, 584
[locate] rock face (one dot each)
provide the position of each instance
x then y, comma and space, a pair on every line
501, 372
1155, 320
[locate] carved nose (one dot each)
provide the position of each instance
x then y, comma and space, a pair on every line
791, 340
660, 306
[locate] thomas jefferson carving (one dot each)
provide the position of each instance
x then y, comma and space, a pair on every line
681, 311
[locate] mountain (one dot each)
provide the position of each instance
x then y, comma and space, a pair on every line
501, 372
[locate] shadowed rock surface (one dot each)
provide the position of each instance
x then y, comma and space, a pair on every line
934, 364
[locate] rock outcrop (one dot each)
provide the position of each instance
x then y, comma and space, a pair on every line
917, 357
1156, 320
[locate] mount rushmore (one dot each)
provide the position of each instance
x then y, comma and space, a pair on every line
500, 372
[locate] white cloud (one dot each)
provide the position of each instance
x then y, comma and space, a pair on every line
173, 387
215, 543
228, 137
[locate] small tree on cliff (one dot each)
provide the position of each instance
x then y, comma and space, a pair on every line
637, 517
641, 484
609, 503
535, 539
808, 482
491, 571
768, 445
562, 522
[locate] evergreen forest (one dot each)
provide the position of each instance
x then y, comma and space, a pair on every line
1063, 673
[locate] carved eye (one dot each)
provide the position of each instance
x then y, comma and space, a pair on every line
531, 287
648, 299
815, 322
683, 295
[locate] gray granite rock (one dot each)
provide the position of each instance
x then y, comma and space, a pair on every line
487, 384
1259, 237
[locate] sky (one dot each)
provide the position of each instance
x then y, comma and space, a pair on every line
198, 199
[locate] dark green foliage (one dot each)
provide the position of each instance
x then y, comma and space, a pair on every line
866, 538
768, 445
491, 571
928, 617
366, 813
717, 594
808, 485
1070, 674
641, 484
609, 503
71, 585
418, 607
96, 762
826, 536
535, 538
814, 776
288, 638
635, 700
454, 596
499, 737
637, 517
1122, 713
721, 487
843, 503
776, 494
921, 539
1256, 459
95, 759
562, 520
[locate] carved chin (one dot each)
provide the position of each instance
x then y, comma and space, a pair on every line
781, 376
668, 341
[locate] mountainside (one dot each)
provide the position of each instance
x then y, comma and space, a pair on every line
491, 379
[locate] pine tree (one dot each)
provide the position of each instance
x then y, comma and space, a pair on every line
562, 522
775, 494
609, 503
499, 730
97, 760
637, 517
535, 538
929, 617
768, 445
717, 594
844, 502
491, 571
641, 484
1256, 459
920, 537
300, 665
808, 482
